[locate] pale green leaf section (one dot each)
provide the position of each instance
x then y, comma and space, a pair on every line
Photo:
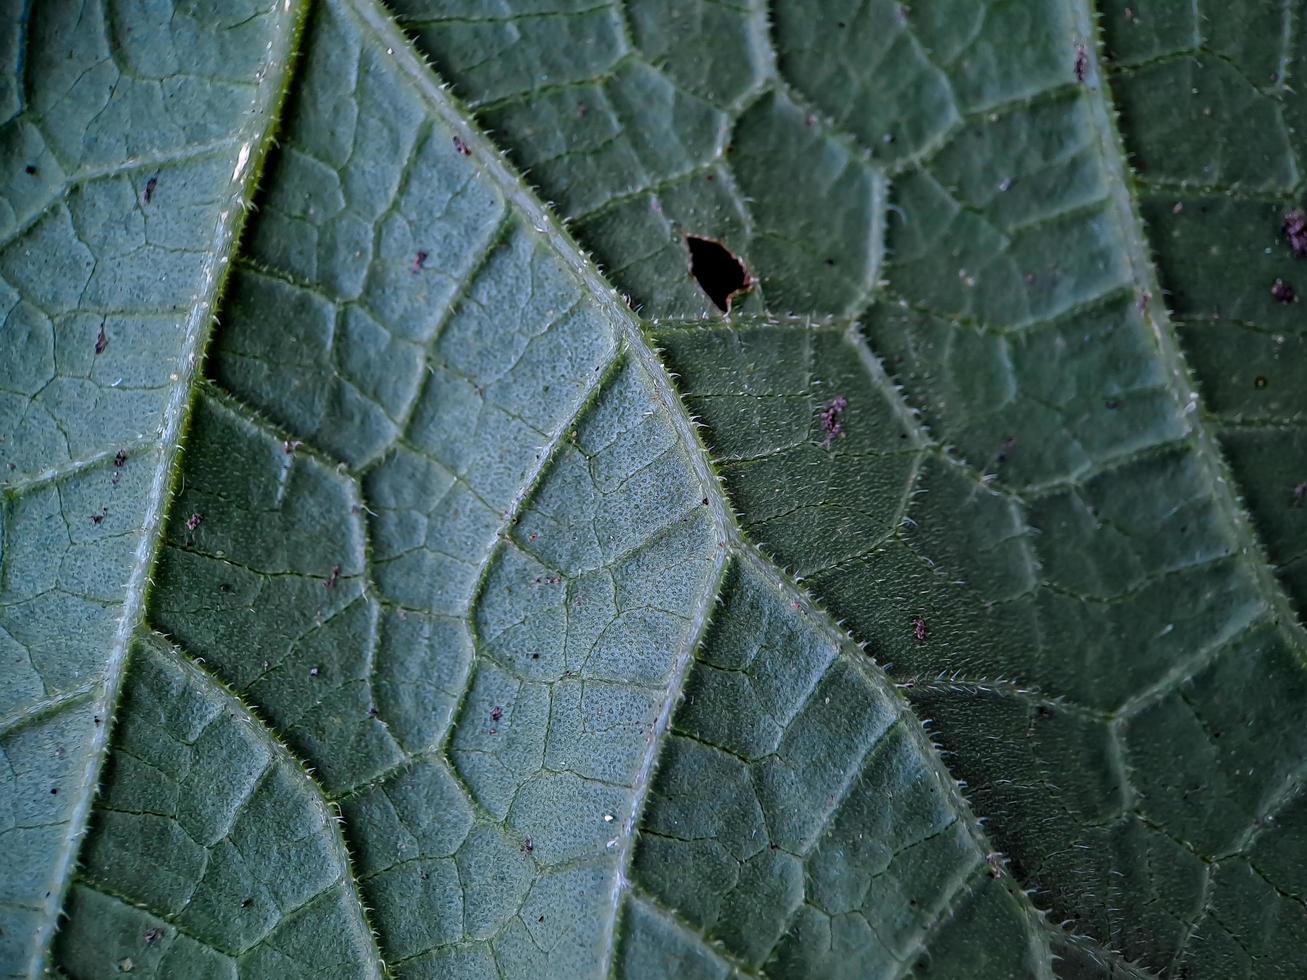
907, 622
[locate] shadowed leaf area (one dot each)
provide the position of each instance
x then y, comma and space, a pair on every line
653, 489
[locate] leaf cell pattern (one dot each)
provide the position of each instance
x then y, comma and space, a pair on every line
480, 640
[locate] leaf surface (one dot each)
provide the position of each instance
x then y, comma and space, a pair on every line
515, 613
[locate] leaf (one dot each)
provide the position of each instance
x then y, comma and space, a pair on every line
933, 613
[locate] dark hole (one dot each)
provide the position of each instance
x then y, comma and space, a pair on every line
719, 273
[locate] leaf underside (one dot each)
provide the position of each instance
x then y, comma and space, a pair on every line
487, 603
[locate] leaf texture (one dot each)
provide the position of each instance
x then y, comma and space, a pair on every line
516, 614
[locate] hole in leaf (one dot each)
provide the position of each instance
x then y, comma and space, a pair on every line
718, 271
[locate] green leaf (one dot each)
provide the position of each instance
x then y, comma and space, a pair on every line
487, 602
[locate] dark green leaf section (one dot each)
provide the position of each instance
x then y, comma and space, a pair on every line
1220, 168
1061, 669
126, 156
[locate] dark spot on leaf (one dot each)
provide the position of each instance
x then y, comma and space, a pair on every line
717, 270
315, 671
419, 261
1044, 711
462, 147
919, 629
1300, 494
535, 656
1295, 231
30, 170
1260, 381
1005, 449
153, 935
831, 419
1282, 292
705, 501
290, 445
224, 588
333, 578
101, 340
541, 919
1112, 404
55, 791
120, 458
528, 845
1082, 63
496, 713
98, 519
246, 902
194, 521
150, 185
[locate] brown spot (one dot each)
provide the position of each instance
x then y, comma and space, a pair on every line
101, 340
1282, 292
150, 185
1295, 231
831, 420
194, 521
462, 147
419, 261
333, 578
919, 629
720, 273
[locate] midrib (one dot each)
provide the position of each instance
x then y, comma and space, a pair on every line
253, 144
